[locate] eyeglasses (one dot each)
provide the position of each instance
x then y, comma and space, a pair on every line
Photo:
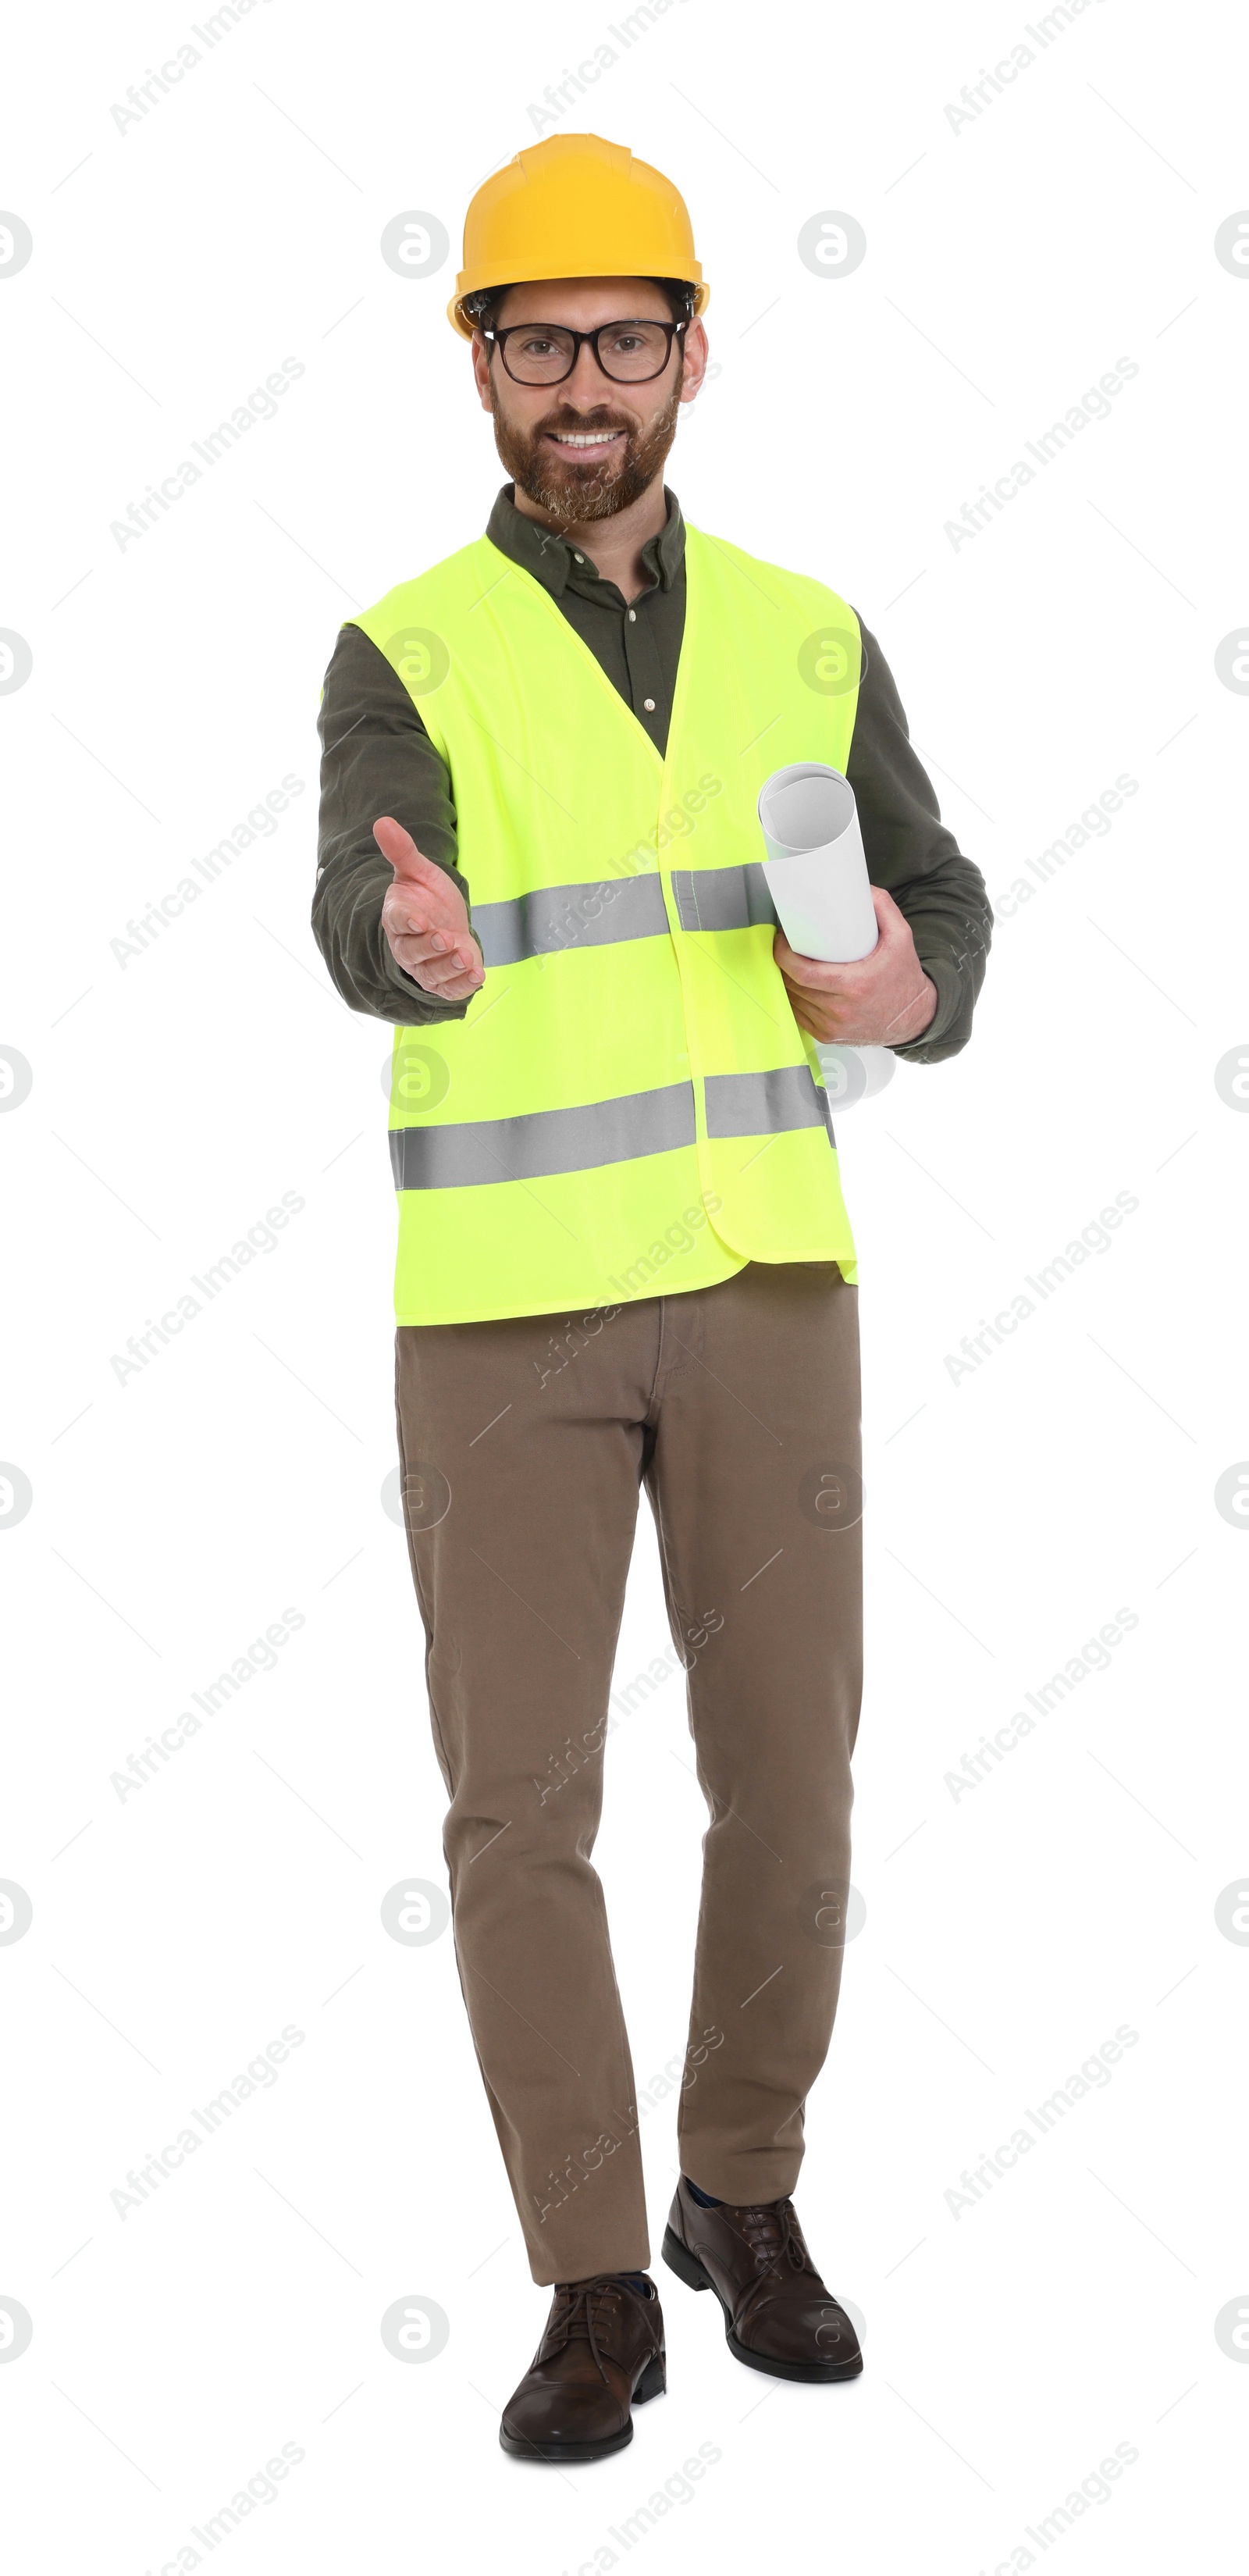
544, 353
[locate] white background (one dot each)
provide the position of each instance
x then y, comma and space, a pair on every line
1010, 1931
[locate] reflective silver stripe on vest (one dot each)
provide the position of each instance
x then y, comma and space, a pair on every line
604, 1131
766, 1104
547, 1140
570, 916
723, 898
614, 908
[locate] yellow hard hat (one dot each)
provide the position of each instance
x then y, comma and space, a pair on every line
574, 206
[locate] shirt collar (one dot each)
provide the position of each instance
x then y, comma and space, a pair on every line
552, 560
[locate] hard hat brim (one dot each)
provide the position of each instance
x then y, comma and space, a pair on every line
475, 282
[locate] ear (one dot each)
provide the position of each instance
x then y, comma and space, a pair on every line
696, 356
481, 369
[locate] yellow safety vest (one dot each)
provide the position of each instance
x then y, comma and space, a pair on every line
628, 1107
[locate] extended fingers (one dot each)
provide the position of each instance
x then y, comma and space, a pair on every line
454, 987
414, 909
459, 988
434, 958
440, 964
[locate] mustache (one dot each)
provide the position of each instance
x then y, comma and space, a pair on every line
582, 425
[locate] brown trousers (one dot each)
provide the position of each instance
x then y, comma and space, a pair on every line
524, 1444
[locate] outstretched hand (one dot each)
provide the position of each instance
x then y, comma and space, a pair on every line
425, 919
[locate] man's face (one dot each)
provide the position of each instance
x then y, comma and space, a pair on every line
630, 426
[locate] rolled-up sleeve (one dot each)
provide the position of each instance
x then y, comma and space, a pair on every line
917, 860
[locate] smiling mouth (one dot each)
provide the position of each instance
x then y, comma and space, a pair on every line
589, 443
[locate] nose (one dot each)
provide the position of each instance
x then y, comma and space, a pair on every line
587, 385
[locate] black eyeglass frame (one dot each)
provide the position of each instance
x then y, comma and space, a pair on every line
672, 331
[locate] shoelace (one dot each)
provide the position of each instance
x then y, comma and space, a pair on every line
769, 2230
581, 2313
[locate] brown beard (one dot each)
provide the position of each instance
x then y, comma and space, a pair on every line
578, 494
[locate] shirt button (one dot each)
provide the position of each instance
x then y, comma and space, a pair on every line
578, 558
649, 705
633, 617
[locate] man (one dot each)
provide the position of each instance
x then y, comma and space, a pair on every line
623, 1255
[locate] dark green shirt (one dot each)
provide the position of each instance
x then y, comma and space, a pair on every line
378, 759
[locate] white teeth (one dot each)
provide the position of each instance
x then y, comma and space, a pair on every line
598, 438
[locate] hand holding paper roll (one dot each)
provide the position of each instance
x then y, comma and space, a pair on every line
833, 920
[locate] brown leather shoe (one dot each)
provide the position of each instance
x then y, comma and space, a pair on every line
778, 2315
602, 2352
